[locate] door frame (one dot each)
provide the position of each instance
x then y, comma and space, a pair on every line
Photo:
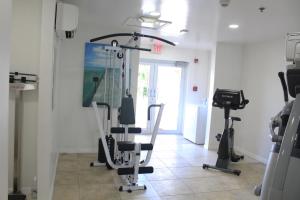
154, 63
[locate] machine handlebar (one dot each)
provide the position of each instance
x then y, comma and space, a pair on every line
107, 106
149, 110
232, 99
244, 101
284, 86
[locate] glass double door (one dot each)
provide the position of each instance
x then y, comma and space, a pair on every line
160, 83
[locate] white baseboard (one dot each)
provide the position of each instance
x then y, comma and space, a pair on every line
210, 147
252, 155
79, 150
53, 178
205, 146
25, 190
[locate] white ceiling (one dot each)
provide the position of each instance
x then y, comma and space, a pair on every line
198, 16
205, 19
280, 17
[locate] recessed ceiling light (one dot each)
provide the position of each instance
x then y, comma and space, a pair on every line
154, 14
177, 43
233, 26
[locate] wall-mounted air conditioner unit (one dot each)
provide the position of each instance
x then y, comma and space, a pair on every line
66, 20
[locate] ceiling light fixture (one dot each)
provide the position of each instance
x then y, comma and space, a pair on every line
155, 21
146, 21
148, 25
154, 14
233, 26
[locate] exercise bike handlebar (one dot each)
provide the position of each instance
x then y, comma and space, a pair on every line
229, 99
107, 106
284, 87
244, 101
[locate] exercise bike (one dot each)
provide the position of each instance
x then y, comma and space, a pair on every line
227, 100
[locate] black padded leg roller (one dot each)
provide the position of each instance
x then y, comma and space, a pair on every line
16, 196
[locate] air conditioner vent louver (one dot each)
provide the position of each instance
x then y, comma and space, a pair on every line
147, 22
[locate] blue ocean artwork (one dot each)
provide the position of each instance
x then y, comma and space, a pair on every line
102, 80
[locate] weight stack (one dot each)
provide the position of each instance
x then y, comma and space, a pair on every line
101, 153
111, 147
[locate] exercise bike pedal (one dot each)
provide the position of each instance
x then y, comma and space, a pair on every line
237, 172
257, 190
235, 159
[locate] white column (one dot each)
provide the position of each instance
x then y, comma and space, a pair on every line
5, 37
46, 149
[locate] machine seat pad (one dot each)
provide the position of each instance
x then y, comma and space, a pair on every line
130, 170
129, 146
121, 130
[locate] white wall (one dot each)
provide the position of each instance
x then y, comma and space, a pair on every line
262, 61
26, 28
47, 147
227, 72
252, 67
76, 125
5, 31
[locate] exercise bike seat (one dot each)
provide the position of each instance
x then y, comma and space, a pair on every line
236, 119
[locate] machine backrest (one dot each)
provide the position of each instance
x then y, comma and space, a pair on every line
127, 115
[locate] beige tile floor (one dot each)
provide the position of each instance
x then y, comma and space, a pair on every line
178, 175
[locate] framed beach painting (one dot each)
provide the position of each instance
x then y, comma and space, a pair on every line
102, 79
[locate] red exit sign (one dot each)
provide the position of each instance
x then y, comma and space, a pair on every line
157, 48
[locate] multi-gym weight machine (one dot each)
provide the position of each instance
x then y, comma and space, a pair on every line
117, 151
